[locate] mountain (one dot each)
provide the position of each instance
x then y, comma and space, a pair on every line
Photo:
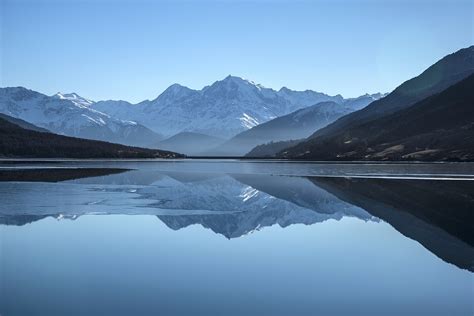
189, 143
16, 141
440, 127
22, 124
225, 108
296, 125
74, 98
337, 139
307, 97
71, 115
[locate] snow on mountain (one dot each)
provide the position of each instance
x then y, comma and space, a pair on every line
225, 108
174, 93
71, 115
307, 97
74, 98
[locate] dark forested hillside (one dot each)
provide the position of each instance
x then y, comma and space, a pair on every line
441, 127
327, 143
269, 150
16, 141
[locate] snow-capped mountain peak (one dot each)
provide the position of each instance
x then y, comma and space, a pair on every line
377, 95
172, 94
242, 81
225, 108
232, 87
74, 98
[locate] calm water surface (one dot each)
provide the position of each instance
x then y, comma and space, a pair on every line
235, 238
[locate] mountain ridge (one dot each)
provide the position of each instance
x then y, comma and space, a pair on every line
326, 143
225, 108
440, 127
61, 115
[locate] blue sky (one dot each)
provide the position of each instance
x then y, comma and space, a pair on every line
133, 50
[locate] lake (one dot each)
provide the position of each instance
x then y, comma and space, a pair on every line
228, 237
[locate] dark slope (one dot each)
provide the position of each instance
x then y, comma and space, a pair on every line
23, 124
325, 143
189, 143
439, 128
271, 149
19, 142
437, 214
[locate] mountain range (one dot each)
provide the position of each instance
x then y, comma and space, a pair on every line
188, 119
71, 115
225, 108
426, 118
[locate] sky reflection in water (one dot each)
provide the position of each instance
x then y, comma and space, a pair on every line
274, 245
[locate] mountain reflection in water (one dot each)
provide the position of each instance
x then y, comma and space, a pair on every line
438, 214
